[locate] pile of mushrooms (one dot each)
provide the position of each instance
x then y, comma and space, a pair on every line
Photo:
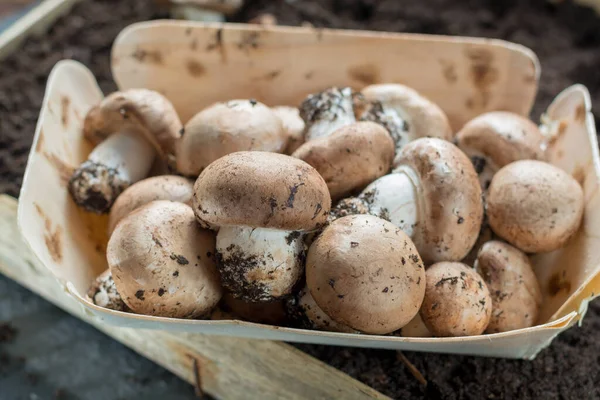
357, 212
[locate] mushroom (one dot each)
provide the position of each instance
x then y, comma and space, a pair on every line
103, 293
351, 157
224, 128
514, 288
261, 203
495, 139
433, 195
293, 126
131, 127
165, 187
534, 205
366, 273
272, 313
457, 301
405, 113
327, 111
162, 263
305, 312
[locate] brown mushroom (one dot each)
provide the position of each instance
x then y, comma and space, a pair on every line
515, 291
405, 113
433, 195
103, 293
366, 273
162, 263
293, 126
457, 301
261, 203
224, 128
534, 205
495, 139
131, 127
351, 157
165, 187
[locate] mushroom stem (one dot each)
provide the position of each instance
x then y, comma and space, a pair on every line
259, 264
395, 197
122, 159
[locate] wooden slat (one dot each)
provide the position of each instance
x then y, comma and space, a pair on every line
229, 368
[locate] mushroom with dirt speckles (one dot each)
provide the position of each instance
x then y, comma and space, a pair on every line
365, 273
351, 157
327, 111
160, 262
515, 291
433, 195
535, 206
164, 187
261, 203
495, 139
224, 128
457, 301
130, 128
103, 293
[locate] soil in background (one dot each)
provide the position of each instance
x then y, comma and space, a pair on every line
565, 37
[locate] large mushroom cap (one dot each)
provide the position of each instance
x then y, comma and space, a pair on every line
224, 128
141, 110
450, 207
366, 273
457, 301
351, 157
164, 187
260, 189
423, 117
534, 205
515, 291
162, 264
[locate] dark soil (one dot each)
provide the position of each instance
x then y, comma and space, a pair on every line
565, 37
7, 333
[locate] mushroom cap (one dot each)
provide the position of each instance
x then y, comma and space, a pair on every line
260, 189
224, 128
140, 110
162, 264
450, 206
457, 301
366, 273
103, 293
514, 288
534, 205
424, 117
293, 126
351, 157
501, 137
164, 187
307, 314
272, 313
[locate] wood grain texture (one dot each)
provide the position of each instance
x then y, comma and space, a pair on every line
229, 368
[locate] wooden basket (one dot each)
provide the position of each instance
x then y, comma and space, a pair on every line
196, 64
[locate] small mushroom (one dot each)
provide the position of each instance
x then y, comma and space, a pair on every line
351, 157
131, 127
405, 113
433, 195
495, 139
305, 312
164, 187
103, 293
272, 313
366, 273
162, 263
224, 128
327, 111
534, 205
514, 288
293, 126
261, 203
457, 301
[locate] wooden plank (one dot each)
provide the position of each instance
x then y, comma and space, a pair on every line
229, 368
35, 22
